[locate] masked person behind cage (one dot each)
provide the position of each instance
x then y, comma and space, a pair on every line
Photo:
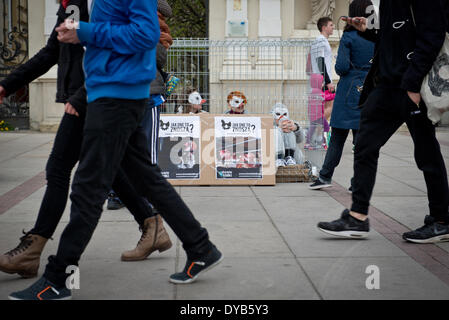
288, 135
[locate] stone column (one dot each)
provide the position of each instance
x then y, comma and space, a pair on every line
270, 23
269, 59
237, 19
51, 7
236, 29
45, 113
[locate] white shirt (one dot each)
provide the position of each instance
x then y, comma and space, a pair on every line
321, 48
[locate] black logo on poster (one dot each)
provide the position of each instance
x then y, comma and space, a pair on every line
226, 126
165, 126
177, 127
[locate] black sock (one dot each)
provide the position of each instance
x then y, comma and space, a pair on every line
289, 153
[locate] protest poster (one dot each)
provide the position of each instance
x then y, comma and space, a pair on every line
238, 148
179, 147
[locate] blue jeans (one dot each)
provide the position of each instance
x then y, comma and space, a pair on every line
333, 154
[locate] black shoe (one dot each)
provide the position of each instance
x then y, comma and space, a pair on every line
318, 185
114, 203
194, 268
42, 290
431, 232
347, 226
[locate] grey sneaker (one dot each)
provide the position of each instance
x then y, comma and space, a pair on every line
193, 269
318, 185
347, 226
114, 203
431, 232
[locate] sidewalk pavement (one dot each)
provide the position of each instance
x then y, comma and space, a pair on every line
268, 236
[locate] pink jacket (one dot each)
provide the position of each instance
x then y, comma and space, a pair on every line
317, 97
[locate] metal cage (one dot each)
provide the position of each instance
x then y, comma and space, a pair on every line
265, 71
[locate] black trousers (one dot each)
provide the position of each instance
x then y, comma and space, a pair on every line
333, 154
63, 158
383, 113
113, 138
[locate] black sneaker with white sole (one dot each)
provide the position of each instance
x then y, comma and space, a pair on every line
347, 226
431, 232
193, 269
42, 289
318, 184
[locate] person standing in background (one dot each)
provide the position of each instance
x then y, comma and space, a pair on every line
410, 37
353, 64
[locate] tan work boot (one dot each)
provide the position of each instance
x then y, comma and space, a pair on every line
25, 258
154, 237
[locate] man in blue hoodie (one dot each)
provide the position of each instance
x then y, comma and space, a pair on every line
119, 64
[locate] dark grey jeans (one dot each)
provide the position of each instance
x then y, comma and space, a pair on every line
383, 113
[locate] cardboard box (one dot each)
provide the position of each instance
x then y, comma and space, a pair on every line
208, 149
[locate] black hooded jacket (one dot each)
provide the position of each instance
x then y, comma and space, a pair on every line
411, 35
69, 57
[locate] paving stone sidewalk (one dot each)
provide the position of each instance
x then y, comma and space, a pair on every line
268, 235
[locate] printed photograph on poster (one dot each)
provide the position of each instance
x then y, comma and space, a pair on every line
179, 147
238, 148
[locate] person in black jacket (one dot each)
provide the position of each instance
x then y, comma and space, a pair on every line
410, 36
25, 258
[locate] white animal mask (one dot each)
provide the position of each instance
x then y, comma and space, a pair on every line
280, 111
236, 102
195, 98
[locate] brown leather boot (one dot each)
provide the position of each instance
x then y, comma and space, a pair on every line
154, 237
25, 258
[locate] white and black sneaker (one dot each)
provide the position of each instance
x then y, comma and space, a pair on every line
290, 161
280, 163
318, 185
431, 232
347, 226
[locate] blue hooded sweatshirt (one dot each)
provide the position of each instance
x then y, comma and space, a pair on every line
120, 40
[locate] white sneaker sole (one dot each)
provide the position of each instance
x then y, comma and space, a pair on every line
442, 238
346, 234
195, 277
320, 187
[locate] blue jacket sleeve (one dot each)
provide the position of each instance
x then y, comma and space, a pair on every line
142, 33
343, 64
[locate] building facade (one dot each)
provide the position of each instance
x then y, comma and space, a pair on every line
228, 20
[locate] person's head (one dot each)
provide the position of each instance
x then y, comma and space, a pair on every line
237, 101
325, 26
357, 8
196, 101
164, 8
279, 112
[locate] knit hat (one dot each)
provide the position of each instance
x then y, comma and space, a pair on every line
164, 8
